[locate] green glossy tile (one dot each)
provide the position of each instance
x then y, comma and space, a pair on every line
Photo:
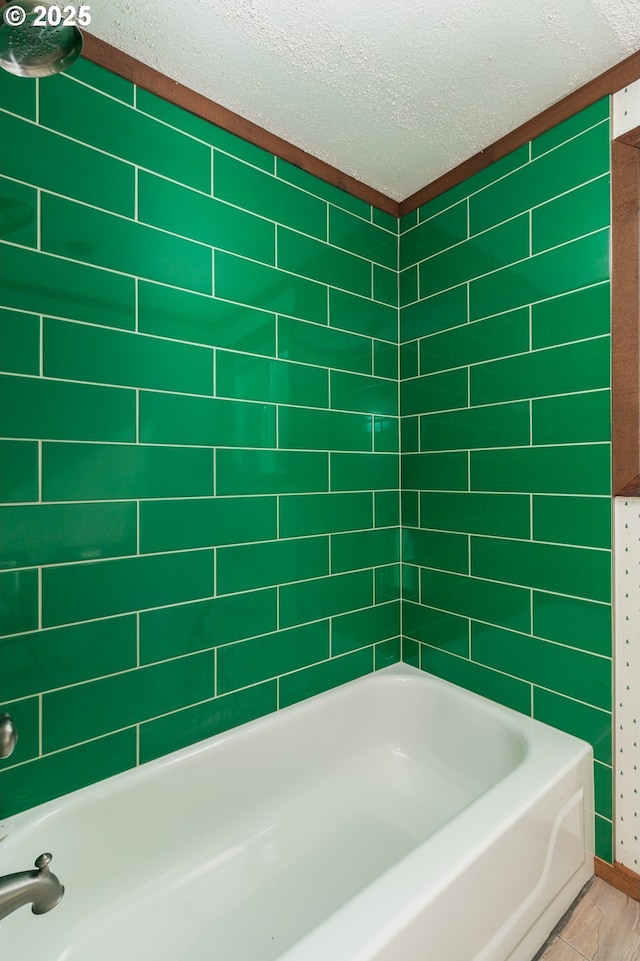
204, 720
80, 592
550, 567
385, 360
572, 419
362, 549
478, 679
313, 344
573, 520
352, 631
385, 285
603, 839
277, 381
576, 264
574, 125
249, 662
557, 370
18, 471
205, 522
582, 313
48, 659
581, 720
410, 652
473, 343
563, 670
410, 577
439, 312
447, 632
177, 419
97, 707
473, 597
257, 285
304, 428
67, 289
386, 653
295, 175
572, 215
387, 508
408, 221
113, 471
71, 169
360, 393
409, 434
603, 784
574, 622
489, 174
18, 94
32, 407
271, 472
503, 515
123, 245
262, 194
54, 533
18, 212
26, 716
362, 316
386, 582
19, 342
202, 129
118, 129
324, 597
576, 469
446, 552
408, 286
497, 425
50, 777
364, 472
386, 434
383, 219
201, 625
183, 211
447, 472
575, 162
302, 514
409, 508
204, 320
360, 237
319, 261
313, 680
435, 392
250, 566
409, 360
440, 232
480, 255
18, 602
101, 79
82, 352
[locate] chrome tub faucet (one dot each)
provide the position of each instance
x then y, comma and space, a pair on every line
40, 888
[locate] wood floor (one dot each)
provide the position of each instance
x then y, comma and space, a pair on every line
604, 925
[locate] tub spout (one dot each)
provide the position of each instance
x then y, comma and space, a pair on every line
40, 888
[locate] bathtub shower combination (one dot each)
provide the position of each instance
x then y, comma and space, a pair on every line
396, 818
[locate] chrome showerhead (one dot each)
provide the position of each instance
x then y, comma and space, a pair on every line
35, 41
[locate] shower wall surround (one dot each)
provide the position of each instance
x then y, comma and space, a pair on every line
199, 457
199, 433
505, 397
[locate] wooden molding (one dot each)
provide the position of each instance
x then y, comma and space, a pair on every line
618, 876
155, 82
625, 262
632, 489
631, 137
609, 82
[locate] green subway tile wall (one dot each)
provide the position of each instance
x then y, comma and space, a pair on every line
505, 397
205, 386
199, 484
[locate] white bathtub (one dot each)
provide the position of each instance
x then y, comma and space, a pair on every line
396, 818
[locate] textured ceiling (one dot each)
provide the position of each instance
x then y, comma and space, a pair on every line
392, 92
